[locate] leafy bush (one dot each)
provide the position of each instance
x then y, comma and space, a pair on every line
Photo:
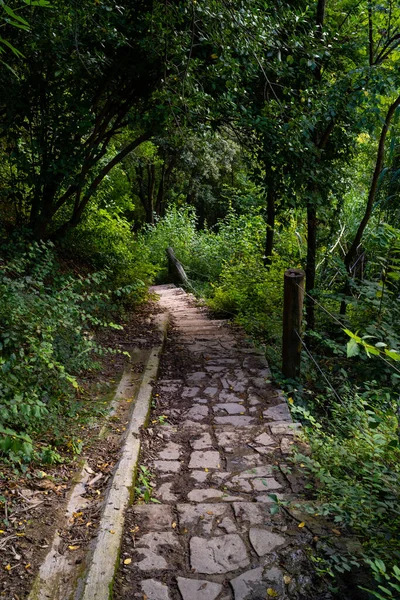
355, 457
46, 323
106, 242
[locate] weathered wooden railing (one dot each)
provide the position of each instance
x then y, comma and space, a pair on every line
175, 268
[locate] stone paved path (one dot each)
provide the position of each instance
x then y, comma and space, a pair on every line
215, 461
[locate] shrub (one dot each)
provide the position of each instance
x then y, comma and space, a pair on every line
46, 320
106, 242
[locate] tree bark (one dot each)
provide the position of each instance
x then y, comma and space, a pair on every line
269, 242
82, 203
374, 185
311, 262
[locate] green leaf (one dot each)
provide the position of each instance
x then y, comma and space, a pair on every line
353, 348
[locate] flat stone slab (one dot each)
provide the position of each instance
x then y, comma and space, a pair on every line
199, 476
204, 441
230, 408
148, 546
264, 440
154, 590
171, 451
280, 412
153, 516
266, 484
264, 541
198, 589
201, 519
197, 413
207, 494
249, 585
254, 583
164, 492
218, 555
210, 391
207, 459
284, 428
167, 466
190, 392
236, 421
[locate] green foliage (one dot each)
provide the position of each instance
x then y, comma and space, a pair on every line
144, 485
388, 583
106, 241
46, 340
355, 457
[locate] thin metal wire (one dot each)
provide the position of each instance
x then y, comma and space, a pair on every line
344, 327
318, 367
321, 306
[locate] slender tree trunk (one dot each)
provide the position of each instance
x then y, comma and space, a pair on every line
151, 182
374, 186
160, 191
269, 242
311, 263
352, 252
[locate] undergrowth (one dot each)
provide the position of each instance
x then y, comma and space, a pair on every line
47, 324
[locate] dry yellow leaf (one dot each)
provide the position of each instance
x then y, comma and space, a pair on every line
336, 532
77, 514
8, 567
27, 566
112, 531
272, 593
210, 512
127, 561
89, 523
20, 534
173, 525
73, 547
206, 470
301, 524
1, 531
287, 579
135, 529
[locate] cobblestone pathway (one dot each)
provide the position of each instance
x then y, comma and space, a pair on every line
214, 462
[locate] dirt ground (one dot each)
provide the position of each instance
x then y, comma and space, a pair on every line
33, 500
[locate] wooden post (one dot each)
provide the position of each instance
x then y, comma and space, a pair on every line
175, 268
293, 294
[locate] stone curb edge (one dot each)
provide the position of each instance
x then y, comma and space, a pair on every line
97, 582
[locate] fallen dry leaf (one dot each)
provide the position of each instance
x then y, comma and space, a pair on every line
302, 524
287, 579
127, 561
336, 532
272, 593
73, 548
173, 525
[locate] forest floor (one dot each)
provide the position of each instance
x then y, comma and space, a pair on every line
215, 454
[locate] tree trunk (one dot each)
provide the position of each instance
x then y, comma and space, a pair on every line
374, 186
311, 263
269, 242
151, 182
